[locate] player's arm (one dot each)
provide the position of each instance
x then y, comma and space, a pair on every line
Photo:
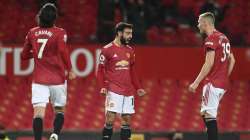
134, 77
135, 80
64, 51
231, 63
100, 76
27, 50
206, 68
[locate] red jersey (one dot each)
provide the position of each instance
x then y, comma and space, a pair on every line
116, 70
51, 56
218, 75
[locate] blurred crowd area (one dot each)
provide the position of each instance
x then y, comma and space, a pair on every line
159, 22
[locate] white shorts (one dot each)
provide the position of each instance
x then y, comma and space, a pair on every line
211, 97
119, 103
41, 94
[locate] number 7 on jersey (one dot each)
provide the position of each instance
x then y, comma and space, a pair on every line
43, 42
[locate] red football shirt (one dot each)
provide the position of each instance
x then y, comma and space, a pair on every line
116, 70
218, 75
51, 55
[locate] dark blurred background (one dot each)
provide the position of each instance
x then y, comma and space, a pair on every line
155, 21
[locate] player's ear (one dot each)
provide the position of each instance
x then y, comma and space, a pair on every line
119, 33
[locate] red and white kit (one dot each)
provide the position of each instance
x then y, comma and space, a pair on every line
116, 73
51, 56
216, 82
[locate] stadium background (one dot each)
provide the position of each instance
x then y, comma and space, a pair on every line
169, 57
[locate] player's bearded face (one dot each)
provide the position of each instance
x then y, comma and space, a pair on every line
126, 36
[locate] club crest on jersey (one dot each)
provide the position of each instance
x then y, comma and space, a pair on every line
128, 55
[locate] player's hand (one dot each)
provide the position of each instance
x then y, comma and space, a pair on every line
72, 75
104, 91
192, 87
141, 92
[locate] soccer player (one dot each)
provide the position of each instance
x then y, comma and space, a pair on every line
118, 81
215, 72
47, 45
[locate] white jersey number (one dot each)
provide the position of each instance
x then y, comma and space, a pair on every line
226, 51
43, 42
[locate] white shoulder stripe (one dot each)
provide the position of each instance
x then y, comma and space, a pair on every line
129, 46
209, 43
107, 46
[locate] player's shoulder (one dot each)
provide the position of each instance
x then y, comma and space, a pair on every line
218, 37
213, 37
222, 36
107, 46
107, 49
34, 29
59, 29
129, 47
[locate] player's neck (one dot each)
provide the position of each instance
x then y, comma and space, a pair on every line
210, 31
117, 42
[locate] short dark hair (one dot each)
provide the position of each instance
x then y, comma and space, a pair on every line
47, 15
210, 16
121, 26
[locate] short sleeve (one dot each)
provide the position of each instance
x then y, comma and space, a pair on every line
62, 39
27, 40
103, 57
210, 44
133, 57
27, 52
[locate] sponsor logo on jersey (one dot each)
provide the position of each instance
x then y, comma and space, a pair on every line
122, 63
